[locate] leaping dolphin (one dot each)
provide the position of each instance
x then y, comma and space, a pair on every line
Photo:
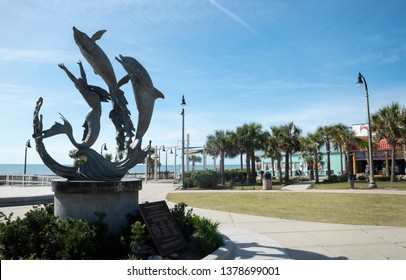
144, 91
101, 65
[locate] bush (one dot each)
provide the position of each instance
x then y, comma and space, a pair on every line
207, 235
183, 219
382, 178
201, 179
40, 235
236, 176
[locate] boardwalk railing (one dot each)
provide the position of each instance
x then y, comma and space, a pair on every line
27, 180
46, 180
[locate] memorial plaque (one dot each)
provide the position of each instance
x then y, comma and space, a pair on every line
162, 226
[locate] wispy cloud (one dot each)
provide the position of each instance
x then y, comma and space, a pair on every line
235, 18
31, 55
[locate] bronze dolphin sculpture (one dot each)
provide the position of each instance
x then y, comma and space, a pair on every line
144, 91
101, 65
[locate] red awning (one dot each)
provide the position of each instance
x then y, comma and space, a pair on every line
383, 145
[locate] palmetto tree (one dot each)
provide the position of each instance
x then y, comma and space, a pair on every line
218, 144
291, 135
194, 159
250, 138
346, 137
388, 123
286, 138
276, 146
339, 132
327, 133
313, 143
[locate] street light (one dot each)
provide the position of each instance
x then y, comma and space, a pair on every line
159, 157
103, 148
372, 184
27, 145
183, 105
166, 159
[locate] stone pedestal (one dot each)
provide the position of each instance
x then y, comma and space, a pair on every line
81, 199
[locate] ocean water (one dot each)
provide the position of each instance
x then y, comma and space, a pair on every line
42, 169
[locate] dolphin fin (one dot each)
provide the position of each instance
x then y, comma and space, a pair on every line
157, 94
123, 81
98, 35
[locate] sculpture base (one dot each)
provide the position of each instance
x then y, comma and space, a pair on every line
82, 199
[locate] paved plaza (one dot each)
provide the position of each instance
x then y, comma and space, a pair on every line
256, 237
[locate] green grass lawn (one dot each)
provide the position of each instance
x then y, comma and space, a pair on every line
401, 185
361, 209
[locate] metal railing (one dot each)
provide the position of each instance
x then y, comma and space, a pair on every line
27, 180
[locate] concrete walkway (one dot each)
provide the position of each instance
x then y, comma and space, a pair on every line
256, 237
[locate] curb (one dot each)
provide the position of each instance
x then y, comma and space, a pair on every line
25, 200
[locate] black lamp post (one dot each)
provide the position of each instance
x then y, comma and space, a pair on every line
27, 145
372, 184
183, 105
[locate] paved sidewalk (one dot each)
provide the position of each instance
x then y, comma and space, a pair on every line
255, 237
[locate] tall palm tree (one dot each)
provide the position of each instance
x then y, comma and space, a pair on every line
291, 135
286, 138
306, 154
314, 142
276, 147
347, 138
194, 159
251, 138
337, 140
218, 144
327, 132
387, 124
235, 148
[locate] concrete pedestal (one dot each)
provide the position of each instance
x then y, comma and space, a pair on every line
81, 199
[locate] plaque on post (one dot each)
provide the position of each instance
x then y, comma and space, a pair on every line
162, 226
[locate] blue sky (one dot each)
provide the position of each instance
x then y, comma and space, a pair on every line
263, 61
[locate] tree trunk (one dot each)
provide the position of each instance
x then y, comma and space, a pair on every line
280, 171
341, 159
316, 166
247, 163
253, 171
328, 161
241, 161
393, 165
286, 167
222, 166
273, 167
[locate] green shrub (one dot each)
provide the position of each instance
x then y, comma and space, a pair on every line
236, 176
40, 235
139, 236
201, 179
184, 219
79, 240
207, 235
32, 237
382, 178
